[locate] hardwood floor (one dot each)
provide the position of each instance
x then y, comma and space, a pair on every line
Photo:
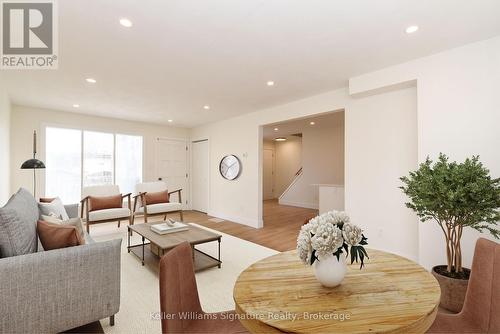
281, 225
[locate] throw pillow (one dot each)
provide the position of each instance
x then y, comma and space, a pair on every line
157, 198
107, 202
46, 199
55, 207
55, 236
18, 225
76, 222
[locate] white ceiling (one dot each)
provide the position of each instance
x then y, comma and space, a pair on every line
329, 120
183, 54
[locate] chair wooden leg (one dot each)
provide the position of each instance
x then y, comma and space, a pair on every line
88, 227
145, 218
112, 320
165, 218
119, 223
182, 215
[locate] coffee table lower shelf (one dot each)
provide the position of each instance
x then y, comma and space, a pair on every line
201, 259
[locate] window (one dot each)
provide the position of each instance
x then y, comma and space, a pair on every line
76, 159
63, 159
97, 158
128, 162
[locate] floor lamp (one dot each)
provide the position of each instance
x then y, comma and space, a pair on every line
33, 164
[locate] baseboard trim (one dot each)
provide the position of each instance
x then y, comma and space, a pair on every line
300, 204
236, 219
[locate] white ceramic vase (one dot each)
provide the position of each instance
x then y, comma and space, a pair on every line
329, 271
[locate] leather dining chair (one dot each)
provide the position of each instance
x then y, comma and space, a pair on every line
481, 310
179, 295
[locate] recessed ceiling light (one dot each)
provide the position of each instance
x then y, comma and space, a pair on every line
312, 123
411, 29
91, 80
76, 105
270, 83
206, 107
276, 129
170, 121
125, 22
280, 139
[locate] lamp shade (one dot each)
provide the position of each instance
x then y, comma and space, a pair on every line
33, 164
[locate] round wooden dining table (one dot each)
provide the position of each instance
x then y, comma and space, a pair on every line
391, 294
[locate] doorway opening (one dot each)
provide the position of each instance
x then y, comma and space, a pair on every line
302, 169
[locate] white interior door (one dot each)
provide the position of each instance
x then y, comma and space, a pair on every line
171, 165
268, 177
199, 179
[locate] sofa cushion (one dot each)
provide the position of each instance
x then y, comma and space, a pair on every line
56, 207
76, 222
55, 236
157, 197
109, 214
105, 202
161, 208
18, 225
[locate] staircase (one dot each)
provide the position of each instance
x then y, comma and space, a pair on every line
297, 176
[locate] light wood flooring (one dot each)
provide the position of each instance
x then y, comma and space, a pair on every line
281, 225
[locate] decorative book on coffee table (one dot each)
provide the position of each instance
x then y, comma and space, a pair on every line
165, 228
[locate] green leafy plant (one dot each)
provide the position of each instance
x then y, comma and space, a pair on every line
455, 195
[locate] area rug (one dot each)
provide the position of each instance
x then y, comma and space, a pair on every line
140, 289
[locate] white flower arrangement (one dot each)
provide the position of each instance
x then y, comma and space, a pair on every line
331, 234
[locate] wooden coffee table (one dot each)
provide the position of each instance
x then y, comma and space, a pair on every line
163, 243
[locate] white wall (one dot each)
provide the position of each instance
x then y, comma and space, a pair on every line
269, 145
381, 146
4, 145
322, 161
241, 200
457, 113
26, 119
288, 162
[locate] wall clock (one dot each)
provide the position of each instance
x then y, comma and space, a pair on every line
230, 167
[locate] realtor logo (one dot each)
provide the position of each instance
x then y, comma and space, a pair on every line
29, 35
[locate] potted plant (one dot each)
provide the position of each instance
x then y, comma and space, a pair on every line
323, 240
456, 196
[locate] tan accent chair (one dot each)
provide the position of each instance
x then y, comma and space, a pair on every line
105, 215
179, 294
481, 310
142, 208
